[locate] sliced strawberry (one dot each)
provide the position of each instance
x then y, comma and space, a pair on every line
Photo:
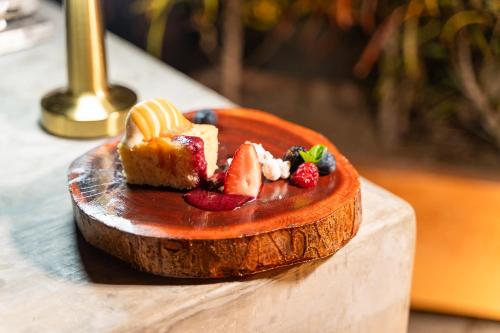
244, 176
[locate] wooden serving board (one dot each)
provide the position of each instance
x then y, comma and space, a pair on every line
156, 231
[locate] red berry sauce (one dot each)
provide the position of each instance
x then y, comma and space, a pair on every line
203, 199
196, 146
215, 201
215, 182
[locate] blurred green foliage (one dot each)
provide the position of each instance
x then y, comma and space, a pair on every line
447, 53
443, 53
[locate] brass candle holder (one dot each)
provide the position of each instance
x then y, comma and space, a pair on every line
89, 107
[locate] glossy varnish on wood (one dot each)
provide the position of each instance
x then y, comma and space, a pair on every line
156, 231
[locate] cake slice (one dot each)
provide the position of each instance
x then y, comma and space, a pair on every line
163, 148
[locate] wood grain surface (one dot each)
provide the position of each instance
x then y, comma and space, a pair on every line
156, 231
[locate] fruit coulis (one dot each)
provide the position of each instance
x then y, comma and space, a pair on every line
196, 146
199, 197
241, 182
215, 201
209, 198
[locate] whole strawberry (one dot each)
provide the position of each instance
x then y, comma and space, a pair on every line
307, 175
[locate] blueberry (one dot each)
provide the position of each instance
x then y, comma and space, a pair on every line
292, 155
327, 164
205, 116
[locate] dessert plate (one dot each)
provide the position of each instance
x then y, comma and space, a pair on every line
156, 231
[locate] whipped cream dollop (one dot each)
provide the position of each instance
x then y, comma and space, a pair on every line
272, 168
153, 118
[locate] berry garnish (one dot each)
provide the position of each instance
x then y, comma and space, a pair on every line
314, 154
215, 201
244, 175
327, 164
306, 175
293, 155
216, 181
205, 116
196, 146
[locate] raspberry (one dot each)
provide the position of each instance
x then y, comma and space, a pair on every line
306, 175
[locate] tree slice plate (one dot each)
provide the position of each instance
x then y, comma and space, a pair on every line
156, 231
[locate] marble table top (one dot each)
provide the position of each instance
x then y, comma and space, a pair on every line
49, 277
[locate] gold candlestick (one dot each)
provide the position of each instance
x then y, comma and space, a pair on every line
89, 107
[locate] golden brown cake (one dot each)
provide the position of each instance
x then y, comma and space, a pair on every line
163, 148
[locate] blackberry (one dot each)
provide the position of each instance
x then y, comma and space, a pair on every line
292, 155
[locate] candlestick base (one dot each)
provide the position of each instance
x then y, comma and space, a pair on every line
88, 115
